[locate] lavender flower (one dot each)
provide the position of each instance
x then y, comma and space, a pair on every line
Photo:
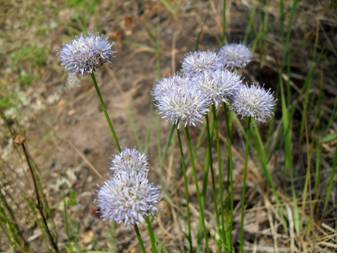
128, 198
167, 84
84, 54
199, 61
234, 55
185, 105
220, 85
130, 160
255, 102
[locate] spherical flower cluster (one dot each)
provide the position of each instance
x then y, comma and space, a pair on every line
206, 79
234, 56
255, 102
183, 105
130, 160
128, 198
220, 85
84, 54
199, 61
167, 84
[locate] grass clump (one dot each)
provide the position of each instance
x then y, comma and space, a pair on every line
33, 56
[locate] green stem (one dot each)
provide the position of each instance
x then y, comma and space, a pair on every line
169, 141
139, 238
151, 234
229, 240
211, 167
244, 186
221, 193
106, 114
195, 176
206, 166
187, 194
40, 206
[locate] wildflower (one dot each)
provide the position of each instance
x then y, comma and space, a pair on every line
255, 102
219, 85
167, 84
130, 160
84, 54
199, 61
128, 198
185, 105
234, 55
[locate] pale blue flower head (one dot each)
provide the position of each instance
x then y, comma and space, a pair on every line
255, 102
184, 104
128, 198
86, 53
199, 61
234, 56
130, 160
219, 85
167, 84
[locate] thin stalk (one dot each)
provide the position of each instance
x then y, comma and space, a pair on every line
244, 186
106, 114
207, 161
206, 166
211, 167
221, 193
151, 234
224, 22
330, 187
195, 176
318, 171
187, 194
230, 208
139, 238
39, 201
169, 141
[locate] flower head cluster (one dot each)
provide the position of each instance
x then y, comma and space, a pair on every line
84, 54
130, 160
255, 102
219, 85
210, 78
167, 84
128, 196
185, 105
234, 56
199, 61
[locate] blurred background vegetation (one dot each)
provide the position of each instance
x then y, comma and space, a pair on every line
295, 54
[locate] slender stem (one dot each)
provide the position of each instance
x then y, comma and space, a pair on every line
195, 176
211, 167
105, 111
169, 141
206, 166
244, 186
39, 201
224, 22
151, 234
221, 193
229, 240
139, 238
187, 194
